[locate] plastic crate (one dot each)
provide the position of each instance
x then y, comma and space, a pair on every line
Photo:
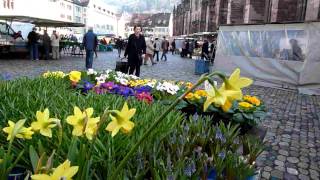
201, 66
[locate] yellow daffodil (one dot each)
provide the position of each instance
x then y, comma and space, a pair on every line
245, 105
18, 130
83, 123
220, 98
63, 171
44, 123
236, 83
75, 76
253, 100
121, 120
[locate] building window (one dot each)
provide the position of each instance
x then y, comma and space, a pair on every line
104, 10
78, 19
62, 15
108, 12
69, 7
78, 9
85, 20
94, 6
99, 8
111, 27
69, 18
62, 5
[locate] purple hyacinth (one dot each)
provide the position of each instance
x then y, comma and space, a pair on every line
222, 155
190, 168
220, 136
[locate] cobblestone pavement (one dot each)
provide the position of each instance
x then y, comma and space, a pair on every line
293, 136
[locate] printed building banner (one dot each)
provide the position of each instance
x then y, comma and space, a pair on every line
280, 55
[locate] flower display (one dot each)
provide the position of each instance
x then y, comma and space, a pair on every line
121, 120
54, 74
83, 123
75, 76
18, 130
44, 123
63, 171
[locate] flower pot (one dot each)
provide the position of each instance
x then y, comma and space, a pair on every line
17, 173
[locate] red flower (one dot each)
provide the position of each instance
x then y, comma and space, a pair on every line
146, 97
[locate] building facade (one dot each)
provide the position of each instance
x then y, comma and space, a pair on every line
193, 16
153, 25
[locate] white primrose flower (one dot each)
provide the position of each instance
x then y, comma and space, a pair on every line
124, 82
92, 72
101, 79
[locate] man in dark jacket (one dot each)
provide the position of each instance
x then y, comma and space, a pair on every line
33, 39
173, 46
135, 50
165, 48
119, 45
46, 44
90, 42
205, 50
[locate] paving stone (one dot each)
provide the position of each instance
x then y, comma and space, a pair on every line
292, 171
265, 175
281, 158
280, 168
276, 174
267, 168
288, 176
314, 173
293, 159
303, 177
303, 171
279, 163
283, 152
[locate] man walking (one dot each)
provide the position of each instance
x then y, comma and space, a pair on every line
90, 43
173, 46
156, 48
165, 47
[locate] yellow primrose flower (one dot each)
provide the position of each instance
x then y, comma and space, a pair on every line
75, 76
44, 123
252, 99
236, 83
189, 85
1, 161
18, 130
245, 105
121, 120
63, 171
201, 93
189, 96
83, 123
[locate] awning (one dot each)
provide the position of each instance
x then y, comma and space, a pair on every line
40, 22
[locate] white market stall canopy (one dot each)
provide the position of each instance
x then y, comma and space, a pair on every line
40, 22
281, 55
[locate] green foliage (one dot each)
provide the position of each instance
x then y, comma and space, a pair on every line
20, 99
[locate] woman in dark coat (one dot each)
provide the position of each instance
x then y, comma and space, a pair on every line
135, 50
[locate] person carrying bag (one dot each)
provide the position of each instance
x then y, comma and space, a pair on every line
136, 50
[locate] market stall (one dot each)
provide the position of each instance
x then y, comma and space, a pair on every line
280, 55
